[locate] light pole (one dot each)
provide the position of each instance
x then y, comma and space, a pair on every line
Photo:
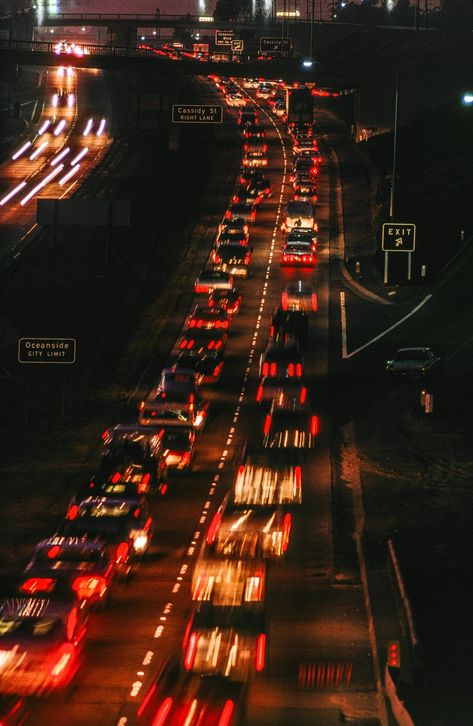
393, 181
311, 30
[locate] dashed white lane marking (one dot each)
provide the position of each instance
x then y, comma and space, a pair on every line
137, 685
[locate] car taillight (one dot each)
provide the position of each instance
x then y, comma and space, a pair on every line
298, 476
286, 532
191, 651
314, 425
228, 214
265, 147
235, 199
290, 369
284, 299
61, 660
303, 394
260, 652
315, 303
226, 715
267, 424
259, 394
72, 512
213, 528
122, 552
87, 587
273, 369
299, 370
163, 712
105, 434
224, 324
192, 323
37, 584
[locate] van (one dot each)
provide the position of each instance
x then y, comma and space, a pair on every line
298, 214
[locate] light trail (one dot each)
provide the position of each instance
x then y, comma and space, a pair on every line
11, 194
101, 127
60, 156
21, 150
59, 127
42, 184
88, 127
44, 126
79, 156
38, 151
69, 174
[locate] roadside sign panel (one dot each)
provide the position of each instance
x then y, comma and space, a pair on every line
224, 37
197, 114
237, 46
275, 45
89, 212
47, 350
398, 237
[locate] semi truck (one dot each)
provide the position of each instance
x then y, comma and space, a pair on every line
299, 106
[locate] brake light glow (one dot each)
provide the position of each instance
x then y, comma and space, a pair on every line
286, 532
290, 369
87, 588
37, 584
61, 664
260, 652
191, 651
213, 529
116, 477
267, 425
226, 714
73, 512
122, 552
299, 370
259, 394
303, 394
314, 425
284, 300
298, 476
273, 369
54, 552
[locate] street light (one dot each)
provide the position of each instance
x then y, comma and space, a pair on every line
467, 98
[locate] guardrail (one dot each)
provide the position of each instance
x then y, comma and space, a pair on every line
403, 604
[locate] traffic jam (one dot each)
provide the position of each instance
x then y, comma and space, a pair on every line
108, 527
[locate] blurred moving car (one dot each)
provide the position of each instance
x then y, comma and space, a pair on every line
206, 317
290, 426
210, 279
233, 258
412, 363
281, 359
298, 214
41, 642
282, 389
299, 295
206, 364
254, 158
288, 326
179, 446
229, 300
295, 254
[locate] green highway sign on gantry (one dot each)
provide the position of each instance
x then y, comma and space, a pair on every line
398, 237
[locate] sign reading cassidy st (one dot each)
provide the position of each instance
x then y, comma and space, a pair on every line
197, 114
47, 350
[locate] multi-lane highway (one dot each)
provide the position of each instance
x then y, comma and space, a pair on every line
320, 649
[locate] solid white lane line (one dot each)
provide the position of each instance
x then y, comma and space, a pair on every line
391, 327
343, 316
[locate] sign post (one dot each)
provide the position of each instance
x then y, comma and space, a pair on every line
45, 351
192, 113
398, 237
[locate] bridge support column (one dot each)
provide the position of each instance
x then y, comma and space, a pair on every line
123, 36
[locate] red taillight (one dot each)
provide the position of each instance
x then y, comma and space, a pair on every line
299, 370
144, 483
62, 660
267, 425
116, 477
211, 344
105, 434
142, 405
286, 532
314, 425
226, 715
37, 584
89, 587
235, 199
224, 324
298, 476
303, 394
73, 512
394, 655
260, 652
182, 344
246, 147
54, 552
213, 529
259, 394
192, 323
228, 214
315, 303
191, 651
216, 257
271, 331
122, 552
284, 299
162, 712
290, 369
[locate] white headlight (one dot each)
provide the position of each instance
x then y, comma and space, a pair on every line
140, 542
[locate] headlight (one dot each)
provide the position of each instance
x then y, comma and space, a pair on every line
140, 540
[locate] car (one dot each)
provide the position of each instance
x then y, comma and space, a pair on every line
411, 363
176, 400
304, 143
281, 359
279, 108
249, 175
297, 254
211, 279
41, 643
250, 83
84, 566
254, 158
228, 572
255, 144
241, 210
63, 47
254, 131
233, 236
256, 190
247, 116
225, 641
132, 459
206, 364
291, 425
290, 325
298, 214
264, 91
207, 317
179, 446
300, 235
235, 99
124, 525
304, 191
229, 300
299, 295
233, 258
211, 339
282, 389
247, 195
233, 226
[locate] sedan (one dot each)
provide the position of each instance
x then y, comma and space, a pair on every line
241, 210
409, 363
211, 279
234, 259
290, 427
229, 300
299, 295
207, 317
295, 254
203, 339
207, 364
